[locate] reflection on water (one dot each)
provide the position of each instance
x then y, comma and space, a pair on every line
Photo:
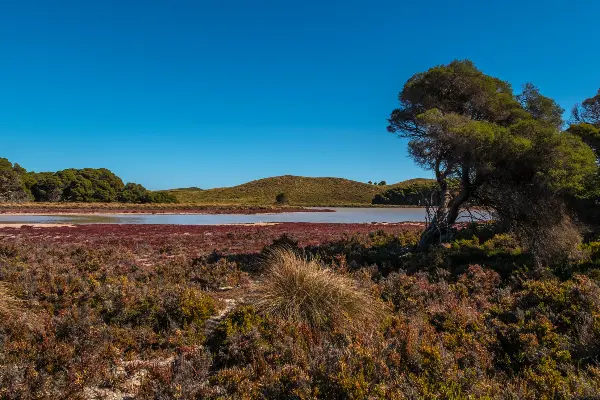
341, 215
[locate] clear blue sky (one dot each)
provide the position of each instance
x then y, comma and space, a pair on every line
218, 92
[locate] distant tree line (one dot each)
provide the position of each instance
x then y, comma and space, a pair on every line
75, 185
416, 194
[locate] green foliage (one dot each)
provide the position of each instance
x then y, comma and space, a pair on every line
588, 111
74, 185
12, 182
12, 188
504, 151
47, 186
588, 133
457, 88
240, 321
195, 307
5, 164
418, 193
540, 107
89, 185
134, 193
387, 251
586, 125
162, 197
281, 199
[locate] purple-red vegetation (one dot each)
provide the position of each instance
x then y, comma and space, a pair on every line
155, 311
196, 239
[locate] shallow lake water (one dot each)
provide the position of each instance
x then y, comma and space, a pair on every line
340, 215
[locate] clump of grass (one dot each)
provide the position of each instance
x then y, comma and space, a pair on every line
9, 305
296, 288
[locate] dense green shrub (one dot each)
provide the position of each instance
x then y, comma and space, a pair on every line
161, 197
89, 184
13, 186
281, 199
134, 193
76, 185
47, 186
418, 193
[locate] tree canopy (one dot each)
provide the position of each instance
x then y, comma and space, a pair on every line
78, 185
585, 124
47, 186
588, 111
12, 187
89, 185
487, 145
585, 119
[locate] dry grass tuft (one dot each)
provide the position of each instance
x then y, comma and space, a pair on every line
302, 290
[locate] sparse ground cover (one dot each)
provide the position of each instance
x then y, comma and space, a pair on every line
110, 311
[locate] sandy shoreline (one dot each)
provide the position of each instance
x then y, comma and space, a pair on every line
20, 225
102, 213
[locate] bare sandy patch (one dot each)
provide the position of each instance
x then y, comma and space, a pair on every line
21, 225
252, 224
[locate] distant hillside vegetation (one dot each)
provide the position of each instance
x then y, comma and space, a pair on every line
87, 185
417, 192
299, 190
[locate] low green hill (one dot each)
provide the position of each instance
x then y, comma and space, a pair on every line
299, 190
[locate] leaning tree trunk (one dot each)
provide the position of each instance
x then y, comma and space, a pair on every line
437, 224
440, 227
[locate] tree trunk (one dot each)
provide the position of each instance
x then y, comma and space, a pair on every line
440, 226
439, 229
